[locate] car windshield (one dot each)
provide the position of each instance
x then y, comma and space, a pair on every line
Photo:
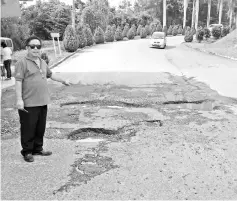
158, 36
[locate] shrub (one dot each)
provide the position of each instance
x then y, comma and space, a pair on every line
147, 28
193, 30
184, 30
130, 34
139, 30
188, 36
70, 40
113, 29
118, 34
159, 28
216, 32
109, 37
187, 29
99, 36
89, 36
134, 29
143, 33
125, 30
207, 33
180, 30
152, 27
175, 31
225, 31
169, 32
199, 35
165, 30
81, 36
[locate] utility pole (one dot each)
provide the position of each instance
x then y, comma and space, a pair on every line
164, 13
73, 14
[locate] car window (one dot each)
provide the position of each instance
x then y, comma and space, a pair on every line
158, 36
9, 43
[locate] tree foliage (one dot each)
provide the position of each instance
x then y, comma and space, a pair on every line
99, 36
70, 40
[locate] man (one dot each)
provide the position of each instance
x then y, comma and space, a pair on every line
7, 59
32, 96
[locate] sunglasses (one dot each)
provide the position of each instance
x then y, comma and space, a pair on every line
35, 46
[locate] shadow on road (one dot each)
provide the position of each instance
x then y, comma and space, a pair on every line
167, 47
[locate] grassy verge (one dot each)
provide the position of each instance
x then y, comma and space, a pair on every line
226, 46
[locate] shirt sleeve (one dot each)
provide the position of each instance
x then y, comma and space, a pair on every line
48, 73
19, 71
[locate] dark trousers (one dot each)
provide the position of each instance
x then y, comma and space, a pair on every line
33, 126
7, 65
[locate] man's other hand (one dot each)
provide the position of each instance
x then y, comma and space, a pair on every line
20, 104
67, 83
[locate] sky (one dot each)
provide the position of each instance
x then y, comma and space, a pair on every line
112, 2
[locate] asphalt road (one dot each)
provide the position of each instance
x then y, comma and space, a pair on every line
122, 149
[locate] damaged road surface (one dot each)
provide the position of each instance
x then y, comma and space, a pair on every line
126, 130
172, 139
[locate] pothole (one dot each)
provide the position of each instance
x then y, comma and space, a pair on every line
84, 169
110, 103
205, 105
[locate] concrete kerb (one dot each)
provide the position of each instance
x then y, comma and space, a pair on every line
208, 52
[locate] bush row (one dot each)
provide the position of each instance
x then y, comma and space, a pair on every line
82, 35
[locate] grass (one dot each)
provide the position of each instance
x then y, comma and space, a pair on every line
226, 46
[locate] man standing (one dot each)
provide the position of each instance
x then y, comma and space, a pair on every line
7, 59
32, 97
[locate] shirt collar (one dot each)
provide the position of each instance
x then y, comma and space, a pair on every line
30, 58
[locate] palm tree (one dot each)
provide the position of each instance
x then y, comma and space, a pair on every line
193, 14
220, 8
209, 12
185, 12
164, 13
196, 15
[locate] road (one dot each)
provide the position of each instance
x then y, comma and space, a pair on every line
130, 127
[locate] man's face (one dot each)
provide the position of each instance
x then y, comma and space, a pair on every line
34, 47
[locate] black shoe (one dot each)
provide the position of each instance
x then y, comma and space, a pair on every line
28, 158
42, 153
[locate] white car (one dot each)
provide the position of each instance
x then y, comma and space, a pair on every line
158, 39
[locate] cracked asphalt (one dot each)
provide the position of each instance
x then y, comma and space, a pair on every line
118, 134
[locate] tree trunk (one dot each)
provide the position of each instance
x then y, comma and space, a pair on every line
209, 13
193, 14
231, 14
73, 14
196, 16
220, 11
164, 13
185, 13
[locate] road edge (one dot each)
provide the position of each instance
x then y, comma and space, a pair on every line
209, 52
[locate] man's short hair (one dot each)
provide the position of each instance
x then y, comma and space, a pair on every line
32, 38
3, 44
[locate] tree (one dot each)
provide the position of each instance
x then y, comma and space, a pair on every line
185, 12
164, 13
125, 30
197, 14
193, 13
209, 12
81, 36
109, 37
220, 8
88, 17
118, 34
70, 40
99, 36
89, 35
